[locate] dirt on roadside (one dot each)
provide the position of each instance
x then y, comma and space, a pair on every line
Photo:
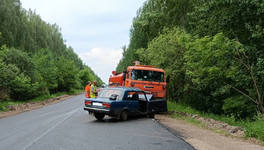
206, 139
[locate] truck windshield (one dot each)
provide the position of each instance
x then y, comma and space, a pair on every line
147, 75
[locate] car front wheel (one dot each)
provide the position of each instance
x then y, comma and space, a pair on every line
99, 116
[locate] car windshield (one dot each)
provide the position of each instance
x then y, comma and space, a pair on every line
147, 75
107, 93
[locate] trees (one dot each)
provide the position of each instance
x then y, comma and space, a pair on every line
151, 19
34, 59
167, 52
20, 79
211, 49
7, 75
46, 66
240, 20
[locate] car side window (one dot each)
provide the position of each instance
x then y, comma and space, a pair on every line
132, 96
141, 96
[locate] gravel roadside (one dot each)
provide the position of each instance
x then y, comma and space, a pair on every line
203, 139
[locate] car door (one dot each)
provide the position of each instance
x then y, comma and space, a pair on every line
132, 102
156, 106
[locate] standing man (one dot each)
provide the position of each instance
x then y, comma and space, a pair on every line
93, 89
88, 89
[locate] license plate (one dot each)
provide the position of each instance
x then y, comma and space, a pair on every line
97, 104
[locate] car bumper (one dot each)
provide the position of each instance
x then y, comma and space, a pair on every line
92, 109
101, 111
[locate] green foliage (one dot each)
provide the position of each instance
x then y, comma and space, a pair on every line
210, 58
91, 76
34, 59
180, 107
223, 62
20, 79
18, 58
240, 19
212, 67
200, 68
7, 74
85, 76
255, 129
169, 45
151, 19
4, 106
45, 64
66, 74
239, 107
21, 87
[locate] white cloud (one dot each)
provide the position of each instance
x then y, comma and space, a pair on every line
102, 60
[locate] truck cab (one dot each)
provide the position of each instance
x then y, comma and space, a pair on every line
149, 79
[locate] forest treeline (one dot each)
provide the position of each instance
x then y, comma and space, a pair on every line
34, 59
212, 50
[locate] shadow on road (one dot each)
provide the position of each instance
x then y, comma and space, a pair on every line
114, 120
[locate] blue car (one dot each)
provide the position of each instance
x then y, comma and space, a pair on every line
121, 102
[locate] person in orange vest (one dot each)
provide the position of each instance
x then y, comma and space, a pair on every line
88, 90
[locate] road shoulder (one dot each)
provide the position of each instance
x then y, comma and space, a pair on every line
203, 139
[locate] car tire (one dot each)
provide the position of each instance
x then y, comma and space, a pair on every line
99, 116
151, 115
124, 115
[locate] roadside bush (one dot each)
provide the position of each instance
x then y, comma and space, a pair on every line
4, 96
239, 107
45, 65
21, 87
7, 74
255, 129
19, 59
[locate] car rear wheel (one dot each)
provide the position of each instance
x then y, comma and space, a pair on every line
99, 116
124, 115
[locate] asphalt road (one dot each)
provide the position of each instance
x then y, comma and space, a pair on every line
65, 125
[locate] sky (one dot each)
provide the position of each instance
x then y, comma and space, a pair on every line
96, 29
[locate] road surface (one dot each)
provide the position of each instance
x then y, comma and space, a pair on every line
65, 125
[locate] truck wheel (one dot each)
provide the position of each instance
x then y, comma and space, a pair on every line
124, 115
99, 116
151, 115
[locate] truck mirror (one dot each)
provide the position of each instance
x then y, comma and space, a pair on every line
168, 79
124, 75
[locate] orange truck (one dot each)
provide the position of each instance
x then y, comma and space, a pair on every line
149, 79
